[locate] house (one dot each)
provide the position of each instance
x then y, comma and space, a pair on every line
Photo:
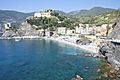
47, 33
92, 30
78, 28
43, 14
85, 30
86, 25
70, 32
7, 26
61, 30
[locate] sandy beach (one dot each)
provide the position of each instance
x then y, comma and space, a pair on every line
92, 48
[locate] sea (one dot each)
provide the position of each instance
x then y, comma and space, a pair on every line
40, 59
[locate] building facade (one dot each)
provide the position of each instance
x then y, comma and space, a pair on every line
42, 14
7, 26
61, 30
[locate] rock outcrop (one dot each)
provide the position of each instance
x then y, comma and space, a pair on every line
27, 30
111, 50
116, 31
8, 34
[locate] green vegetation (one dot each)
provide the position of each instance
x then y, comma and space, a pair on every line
95, 11
58, 20
107, 72
13, 16
96, 15
106, 18
53, 22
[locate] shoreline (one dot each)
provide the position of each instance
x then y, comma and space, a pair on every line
19, 37
90, 48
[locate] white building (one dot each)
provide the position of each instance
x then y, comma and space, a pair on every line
83, 29
61, 30
70, 32
47, 33
42, 14
104, 26
86, 25
37, 14
78, 28
7, 26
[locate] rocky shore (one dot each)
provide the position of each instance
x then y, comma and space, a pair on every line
25, 31
110, 49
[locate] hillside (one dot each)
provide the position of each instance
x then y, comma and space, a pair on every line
92, 12
106, 18
83, 15
61, 12
13, 16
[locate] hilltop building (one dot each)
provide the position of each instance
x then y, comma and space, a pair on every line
43, 14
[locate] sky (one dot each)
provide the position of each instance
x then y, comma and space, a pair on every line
64, 5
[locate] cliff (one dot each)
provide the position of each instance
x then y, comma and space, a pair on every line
26, 29
8, 34
116, 31
111, 49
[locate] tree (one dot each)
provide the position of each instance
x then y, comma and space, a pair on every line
44, 23
61, 18
69, 23
55, 14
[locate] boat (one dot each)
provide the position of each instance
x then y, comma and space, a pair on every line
77, 77
17, 39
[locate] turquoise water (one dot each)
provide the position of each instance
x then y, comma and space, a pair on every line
43, 60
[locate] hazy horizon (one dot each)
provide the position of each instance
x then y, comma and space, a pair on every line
53, 9
27, 6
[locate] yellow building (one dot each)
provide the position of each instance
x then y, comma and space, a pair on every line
42, 14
